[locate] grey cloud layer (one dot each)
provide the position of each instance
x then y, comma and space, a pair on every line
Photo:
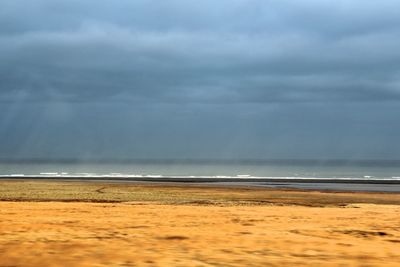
205, 79
207, 52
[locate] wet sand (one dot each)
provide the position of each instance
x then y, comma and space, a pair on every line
90, 224
333, 184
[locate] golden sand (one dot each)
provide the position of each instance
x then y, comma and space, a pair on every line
234, 229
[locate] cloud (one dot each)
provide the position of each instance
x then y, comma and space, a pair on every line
253, 78
242, 51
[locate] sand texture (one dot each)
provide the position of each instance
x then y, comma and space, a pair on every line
233, 229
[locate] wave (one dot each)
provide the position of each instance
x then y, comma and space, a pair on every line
239, 177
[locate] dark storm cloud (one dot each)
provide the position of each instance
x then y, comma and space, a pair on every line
229, 78
177, 51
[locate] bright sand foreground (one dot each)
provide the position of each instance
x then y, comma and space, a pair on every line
98, 224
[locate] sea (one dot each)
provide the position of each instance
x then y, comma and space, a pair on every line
332, 169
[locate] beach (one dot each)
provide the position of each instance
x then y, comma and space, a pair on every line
58, 223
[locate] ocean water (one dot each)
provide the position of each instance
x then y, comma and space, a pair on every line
249, 168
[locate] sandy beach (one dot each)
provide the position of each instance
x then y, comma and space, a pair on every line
97, 224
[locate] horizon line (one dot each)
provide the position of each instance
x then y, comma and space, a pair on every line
332, 161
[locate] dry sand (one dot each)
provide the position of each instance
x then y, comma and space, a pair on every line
175, 226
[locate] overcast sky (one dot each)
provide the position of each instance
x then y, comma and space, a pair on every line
200, 79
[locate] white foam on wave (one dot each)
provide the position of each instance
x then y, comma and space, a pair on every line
49, 173
238, 177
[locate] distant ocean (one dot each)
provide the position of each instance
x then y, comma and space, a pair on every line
365, 169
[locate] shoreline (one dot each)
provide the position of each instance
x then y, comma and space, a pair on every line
311, 184
209, 179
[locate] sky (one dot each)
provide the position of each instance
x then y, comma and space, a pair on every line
189, 79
